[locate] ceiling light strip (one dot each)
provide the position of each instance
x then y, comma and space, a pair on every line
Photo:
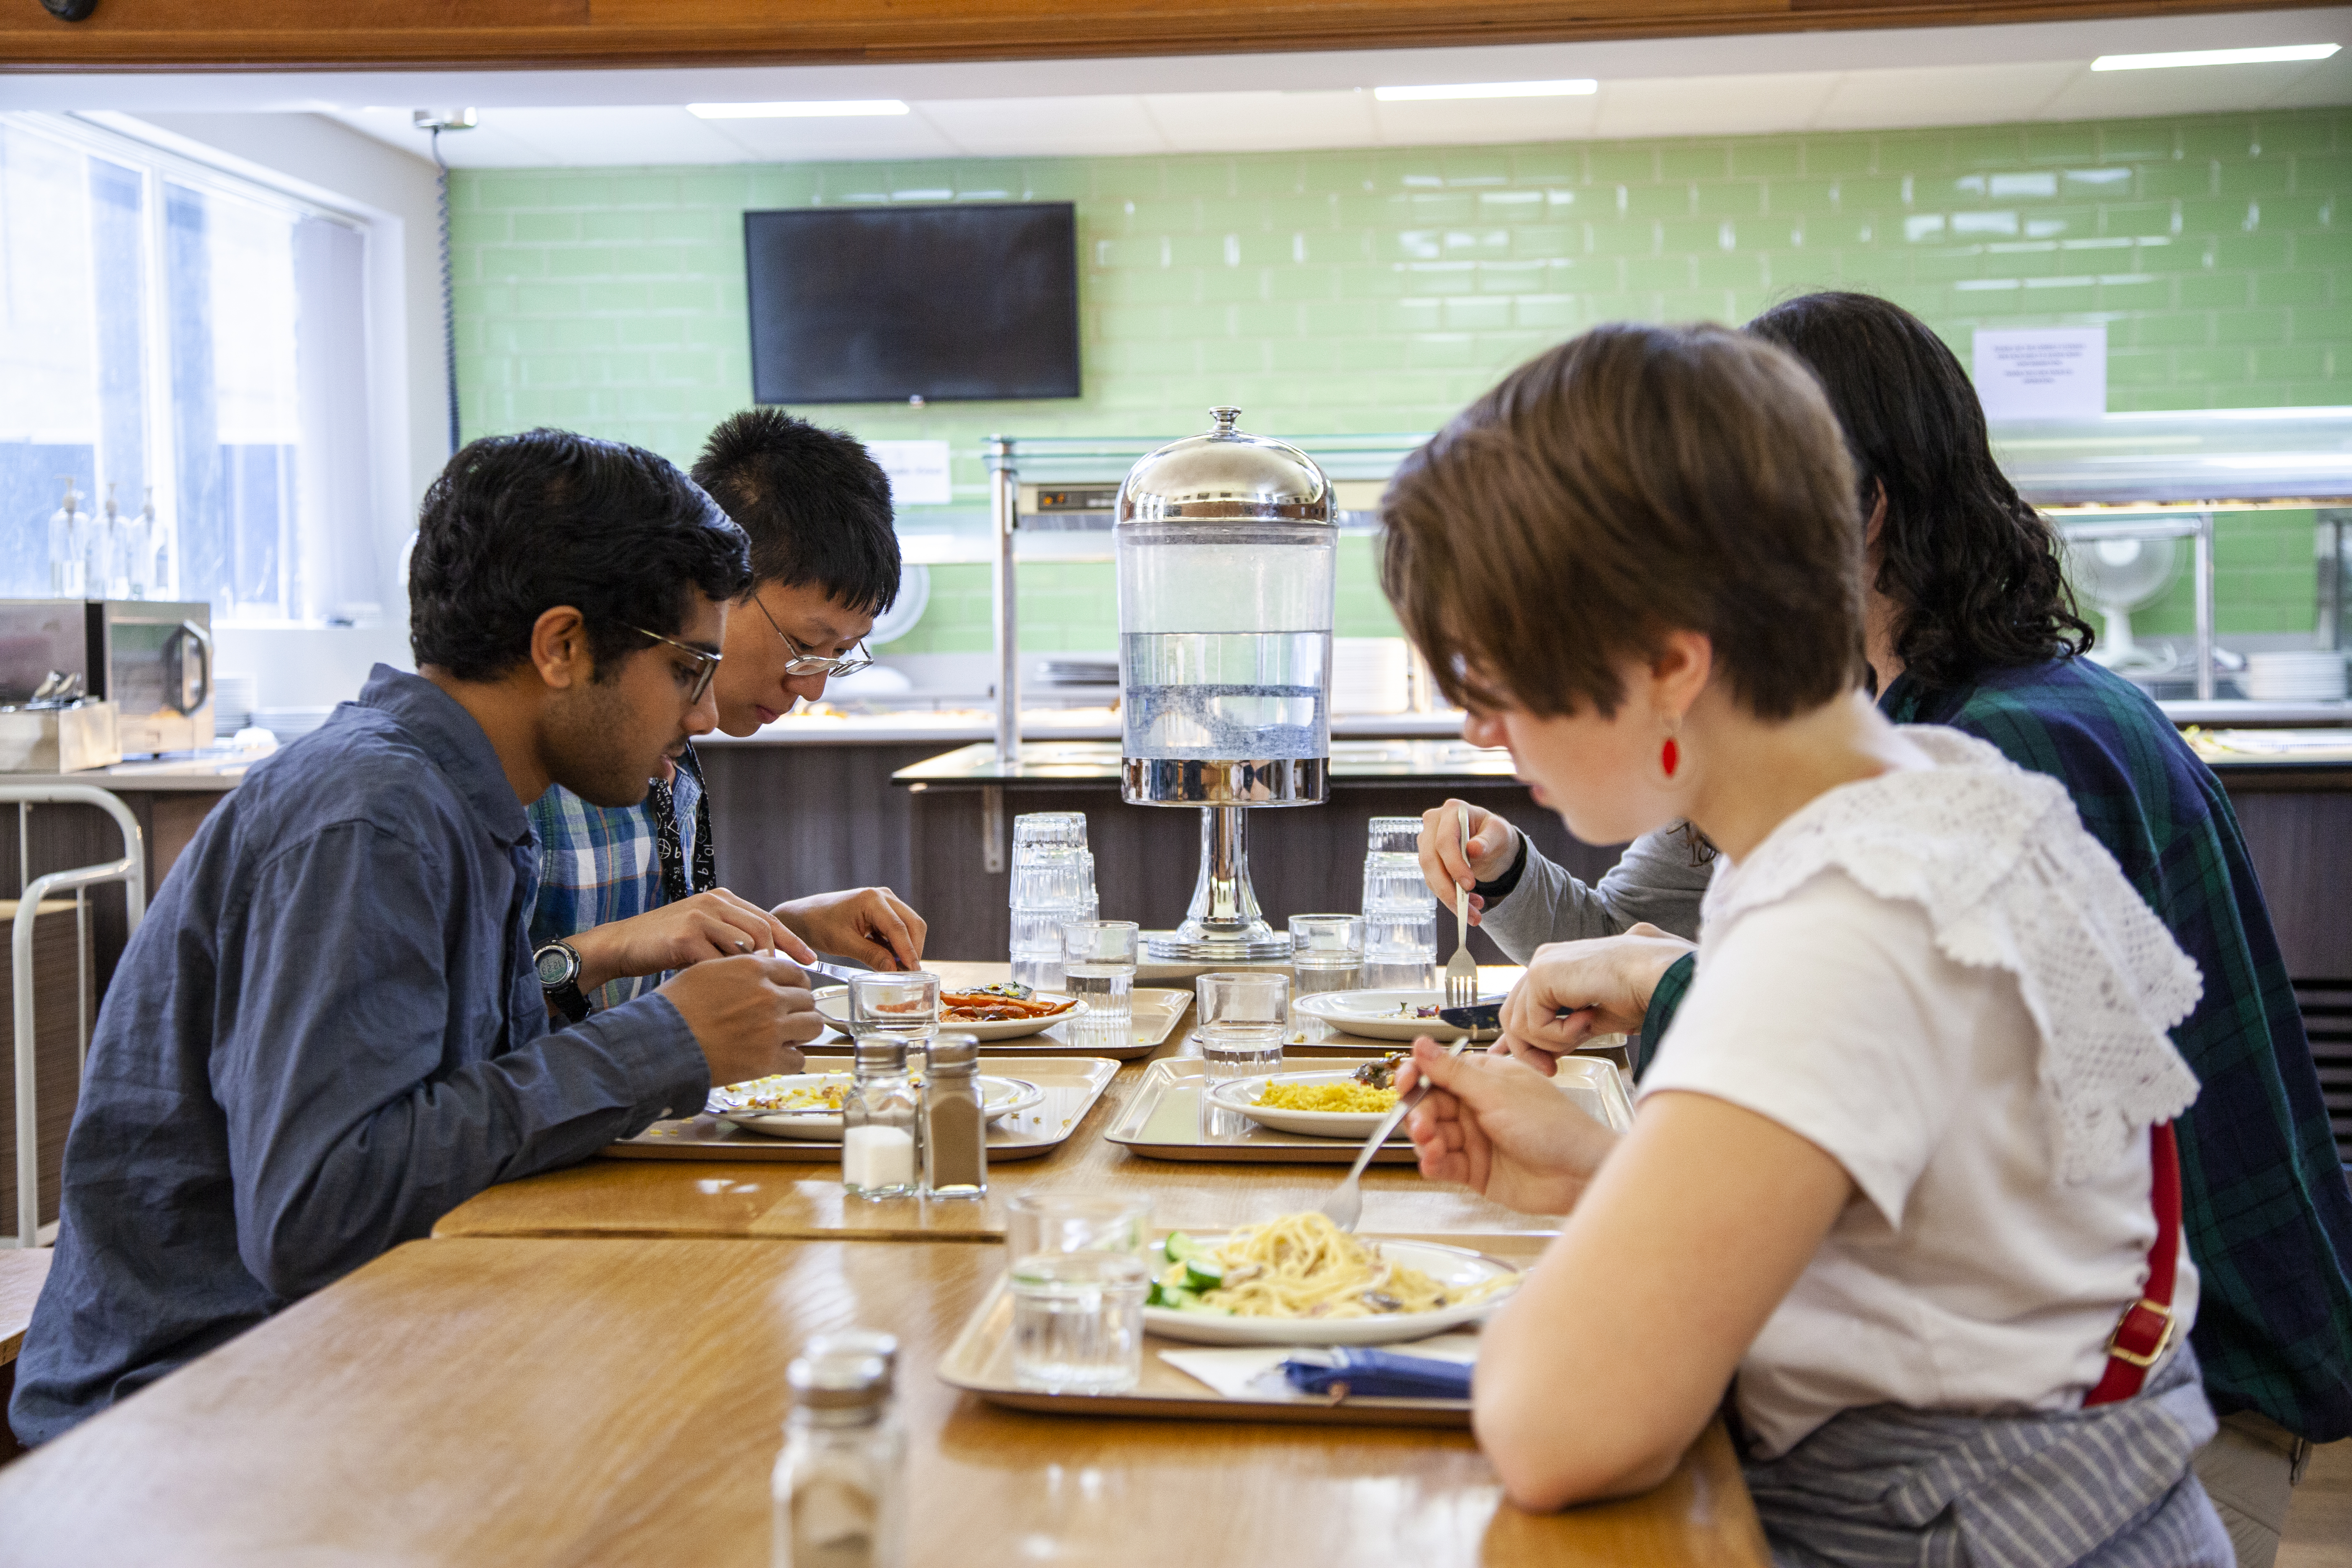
2214, 58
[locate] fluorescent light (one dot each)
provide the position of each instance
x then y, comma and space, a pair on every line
2214, 58
837, 108
1576, 86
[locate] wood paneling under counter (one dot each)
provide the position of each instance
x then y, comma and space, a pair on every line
477, 34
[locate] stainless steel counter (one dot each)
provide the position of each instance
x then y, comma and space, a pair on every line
1098, 761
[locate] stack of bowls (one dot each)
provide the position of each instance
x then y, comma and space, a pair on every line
2300, 675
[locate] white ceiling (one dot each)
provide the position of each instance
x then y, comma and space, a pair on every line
1689, 87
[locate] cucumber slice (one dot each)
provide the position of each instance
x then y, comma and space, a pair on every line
1179, 1247
1202, 1274
1184, 1300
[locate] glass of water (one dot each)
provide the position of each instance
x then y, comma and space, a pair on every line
1078, 1280
1098, 969
1399, 911
1242, 1020
1327, 955
904, 1007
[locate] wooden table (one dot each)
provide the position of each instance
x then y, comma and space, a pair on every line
21, 1270
710, 1198
522, 1403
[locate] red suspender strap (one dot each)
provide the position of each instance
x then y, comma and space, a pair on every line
2139, 1339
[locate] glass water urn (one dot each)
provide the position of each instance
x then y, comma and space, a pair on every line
1226, 552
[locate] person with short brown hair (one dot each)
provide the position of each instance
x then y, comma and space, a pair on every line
1899, 1172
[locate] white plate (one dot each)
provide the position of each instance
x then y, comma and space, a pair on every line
832, 1006
1236, 1094
1446, 1265
1374, 1015
999, 1097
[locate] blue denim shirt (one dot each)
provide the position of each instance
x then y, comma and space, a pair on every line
325, 1034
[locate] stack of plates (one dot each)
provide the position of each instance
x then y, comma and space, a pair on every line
1368, 674
2297, 676
232, 699
286, 723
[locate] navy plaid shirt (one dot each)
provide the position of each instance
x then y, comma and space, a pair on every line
2264, 1200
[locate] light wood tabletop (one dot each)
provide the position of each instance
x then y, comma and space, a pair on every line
21, 1270
535, 1402
698, 1198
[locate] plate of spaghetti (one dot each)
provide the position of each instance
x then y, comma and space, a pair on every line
1302, 1281
1003, 1011
808, 1105
1338, 1104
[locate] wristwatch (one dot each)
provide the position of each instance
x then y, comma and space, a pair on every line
558, 963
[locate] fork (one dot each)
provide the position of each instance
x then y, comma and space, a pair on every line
1461, 970
1345, 1206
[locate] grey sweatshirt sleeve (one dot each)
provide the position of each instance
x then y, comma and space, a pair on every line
1654, 882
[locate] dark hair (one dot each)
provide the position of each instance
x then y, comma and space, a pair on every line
516, 525
814, 502
1973, 571
1632, 481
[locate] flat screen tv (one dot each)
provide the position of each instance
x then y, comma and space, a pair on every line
887, 304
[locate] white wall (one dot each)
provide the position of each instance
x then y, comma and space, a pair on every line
395, 193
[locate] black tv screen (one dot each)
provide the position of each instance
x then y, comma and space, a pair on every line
881, 305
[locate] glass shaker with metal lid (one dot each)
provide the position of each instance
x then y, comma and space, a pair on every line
1227, 552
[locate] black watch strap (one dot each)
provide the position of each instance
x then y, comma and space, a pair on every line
1496, 891
565, 994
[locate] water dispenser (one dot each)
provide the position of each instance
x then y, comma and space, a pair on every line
1227, 552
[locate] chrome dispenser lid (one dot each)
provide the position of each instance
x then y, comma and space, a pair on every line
1226, 476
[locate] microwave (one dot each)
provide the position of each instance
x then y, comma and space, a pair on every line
154, 660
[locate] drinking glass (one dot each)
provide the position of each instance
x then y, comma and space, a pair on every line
1098, 969
1327, 953
905, 1007
1078, 1279
1242, 1021
1052, 882
1077, 1322
1399, 911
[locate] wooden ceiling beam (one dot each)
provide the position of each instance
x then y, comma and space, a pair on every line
346, 35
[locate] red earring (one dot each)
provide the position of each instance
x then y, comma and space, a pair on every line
1670, 756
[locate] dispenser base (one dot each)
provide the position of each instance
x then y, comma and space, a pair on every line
1260, 944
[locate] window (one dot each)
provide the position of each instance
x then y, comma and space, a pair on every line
186, 352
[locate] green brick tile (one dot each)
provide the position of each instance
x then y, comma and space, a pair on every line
2066, 143
2229, 136
2212, 365
1800, 198
2138, 141
2213, 290
1732, 199
2185, 178
1621, 238
1625, 162
1694, 161
2249, 328
1830, 153
2301, 287
1926, 152
2258, 177
1875, 192
1767, 157
2261, 250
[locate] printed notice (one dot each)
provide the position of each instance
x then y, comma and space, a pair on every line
2041, 372
918, 471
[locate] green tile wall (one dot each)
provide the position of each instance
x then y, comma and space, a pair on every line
1354, 291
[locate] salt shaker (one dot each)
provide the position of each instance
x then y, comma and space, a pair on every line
955, 1129
840, 1481
878, 1123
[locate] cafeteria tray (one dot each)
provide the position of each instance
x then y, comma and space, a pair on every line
1156, 1015
980, 1361
1161, 1120
1072, 1085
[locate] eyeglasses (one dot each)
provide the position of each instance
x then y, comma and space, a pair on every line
705, 663
805, 663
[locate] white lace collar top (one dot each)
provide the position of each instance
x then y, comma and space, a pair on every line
2007, 877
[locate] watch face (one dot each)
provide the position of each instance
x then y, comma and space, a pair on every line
556, 965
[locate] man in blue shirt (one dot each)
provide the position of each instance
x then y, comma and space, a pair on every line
626, 894
327, 1033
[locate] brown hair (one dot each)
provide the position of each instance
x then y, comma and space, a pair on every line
1631, 481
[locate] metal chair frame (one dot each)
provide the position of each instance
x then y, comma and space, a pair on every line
131, 870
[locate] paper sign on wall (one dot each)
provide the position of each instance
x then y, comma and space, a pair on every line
918, 471
2041, 372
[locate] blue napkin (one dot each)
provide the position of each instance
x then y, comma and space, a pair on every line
1378, 1374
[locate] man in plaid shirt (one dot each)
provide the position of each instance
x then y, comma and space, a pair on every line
1968, 607
627, 895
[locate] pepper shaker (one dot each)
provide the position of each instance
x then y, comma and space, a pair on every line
955, 1127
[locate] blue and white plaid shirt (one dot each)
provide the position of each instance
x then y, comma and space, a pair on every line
600, 864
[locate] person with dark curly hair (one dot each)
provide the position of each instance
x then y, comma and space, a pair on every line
326, 1034
629, 894
1970, 622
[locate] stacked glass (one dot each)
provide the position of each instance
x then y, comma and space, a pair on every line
1053, 884
1327, 955
1399, 911
1098, 969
